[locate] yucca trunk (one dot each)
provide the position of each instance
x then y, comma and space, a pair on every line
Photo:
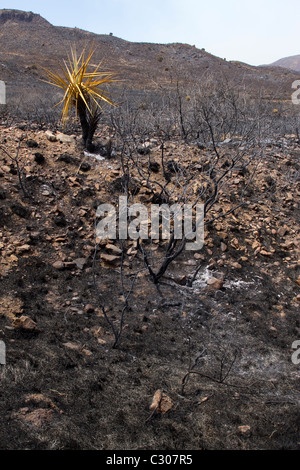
88, 122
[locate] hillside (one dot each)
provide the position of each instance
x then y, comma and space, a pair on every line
220, 348
291, 63
28, 42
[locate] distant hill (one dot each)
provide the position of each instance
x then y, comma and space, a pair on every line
291, 63
29, 42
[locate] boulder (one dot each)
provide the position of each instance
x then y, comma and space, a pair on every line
50, 136
64, 138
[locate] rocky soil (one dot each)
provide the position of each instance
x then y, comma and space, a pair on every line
202, 365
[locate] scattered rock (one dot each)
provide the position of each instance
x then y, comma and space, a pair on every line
282, 231
74, 346
22, 249
265, 253
132, 251
77, 347
199, 256
80, 262
244, 429
214, 283
113, 249
50, 136
110, 259
223, 235
235, 243
161, 403
223, 247
256, 244
219, 294
59, 265
236, 265
25, 323
64, 138
10, 307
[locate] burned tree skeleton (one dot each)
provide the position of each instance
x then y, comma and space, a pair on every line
200, 175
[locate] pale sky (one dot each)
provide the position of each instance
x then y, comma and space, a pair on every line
252, 31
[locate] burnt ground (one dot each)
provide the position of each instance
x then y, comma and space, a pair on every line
220, 352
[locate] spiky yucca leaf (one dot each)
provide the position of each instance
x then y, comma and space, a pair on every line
80, 86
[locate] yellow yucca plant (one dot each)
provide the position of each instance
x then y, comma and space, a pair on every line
83, 91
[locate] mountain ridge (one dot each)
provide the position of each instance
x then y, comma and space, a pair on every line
7, 14
289, 62
29, 43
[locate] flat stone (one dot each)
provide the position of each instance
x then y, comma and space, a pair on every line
114, 249
110, 259
59, 265
265, 253
80, 262
22, 249
64, 138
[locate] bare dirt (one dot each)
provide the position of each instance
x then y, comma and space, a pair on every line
214, 359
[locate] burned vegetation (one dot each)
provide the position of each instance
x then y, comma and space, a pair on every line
143, 341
